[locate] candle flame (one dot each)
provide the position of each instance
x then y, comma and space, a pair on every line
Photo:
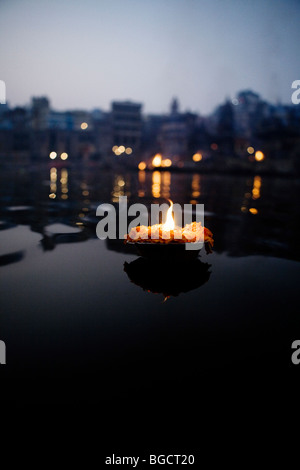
169, 223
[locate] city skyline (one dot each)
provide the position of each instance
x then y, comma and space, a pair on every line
169, 110
87, 55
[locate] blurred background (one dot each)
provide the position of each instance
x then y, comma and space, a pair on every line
188, 100
203, 84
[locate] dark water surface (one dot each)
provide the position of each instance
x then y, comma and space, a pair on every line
71, 303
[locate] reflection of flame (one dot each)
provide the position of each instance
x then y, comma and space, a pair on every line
169, 223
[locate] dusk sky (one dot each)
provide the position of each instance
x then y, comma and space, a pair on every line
84, 54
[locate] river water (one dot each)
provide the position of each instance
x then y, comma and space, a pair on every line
73, 303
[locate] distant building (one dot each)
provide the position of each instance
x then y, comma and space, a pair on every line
174, 107
81, 120
174, 133
152, 124
126, 119
40, 109
237, 128
173, 138
103, 133
225, 129
60, 120
248, 111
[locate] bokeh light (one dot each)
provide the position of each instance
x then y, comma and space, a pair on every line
167, 162
259, 156
197, 157
142, 166
253, 210
157, 160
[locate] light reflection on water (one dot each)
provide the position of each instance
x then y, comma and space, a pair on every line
58, 177
248, 215
67, 299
